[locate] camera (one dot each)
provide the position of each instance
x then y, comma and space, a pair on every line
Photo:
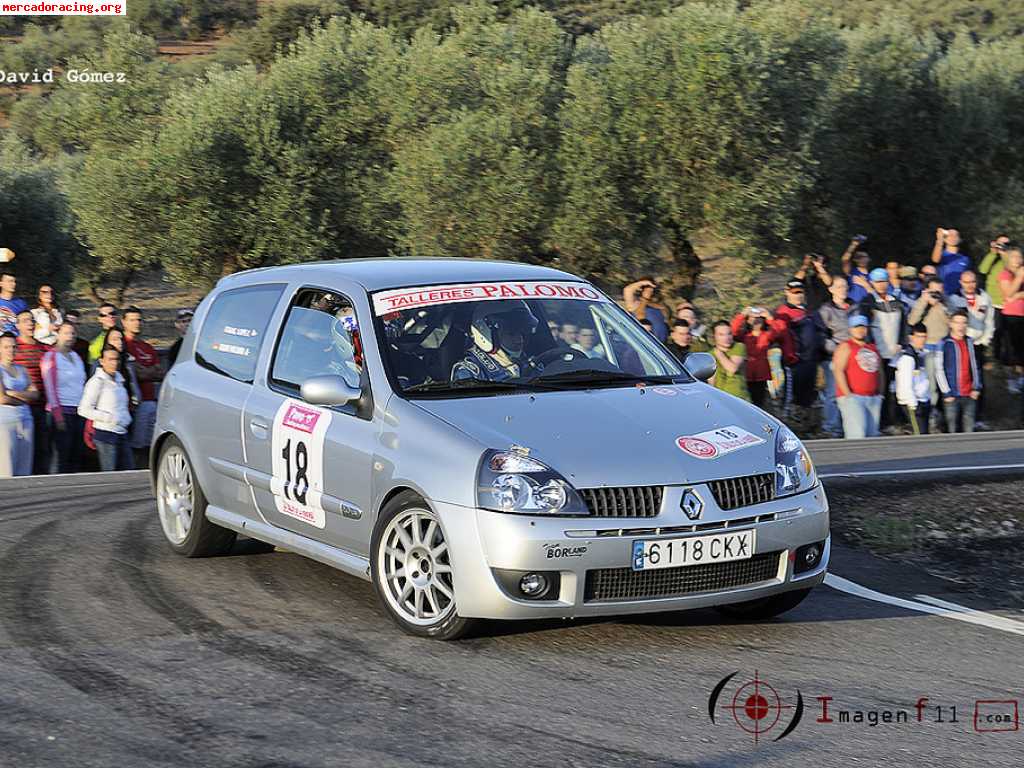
999, 246
860, 238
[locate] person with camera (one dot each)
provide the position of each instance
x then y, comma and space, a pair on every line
834, 318
856, 262
933, 310
1011, 280
642, 300
991, 267
816, 279
753, 328
856, 365
948, 258
909, 290
958, 375
888, 331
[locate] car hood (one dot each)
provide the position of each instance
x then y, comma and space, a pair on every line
618, 436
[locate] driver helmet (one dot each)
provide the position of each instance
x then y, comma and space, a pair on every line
503, 325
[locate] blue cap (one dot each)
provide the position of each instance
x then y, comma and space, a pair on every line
878, 274
856, 320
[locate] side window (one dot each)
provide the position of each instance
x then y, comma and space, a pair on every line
233, 332
320, 337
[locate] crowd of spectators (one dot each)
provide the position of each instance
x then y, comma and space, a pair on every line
871, 347
67, 402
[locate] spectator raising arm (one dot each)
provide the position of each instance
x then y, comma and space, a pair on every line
729, 362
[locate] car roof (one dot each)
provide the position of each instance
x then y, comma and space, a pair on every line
400, 272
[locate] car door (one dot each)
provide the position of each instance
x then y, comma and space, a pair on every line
309, 465
207, 390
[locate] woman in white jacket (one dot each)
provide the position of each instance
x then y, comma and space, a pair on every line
105, 402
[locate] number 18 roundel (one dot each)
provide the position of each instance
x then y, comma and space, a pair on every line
297, 452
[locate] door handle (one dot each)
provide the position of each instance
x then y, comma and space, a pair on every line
258, 428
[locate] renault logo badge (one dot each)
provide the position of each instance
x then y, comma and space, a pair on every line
691, 504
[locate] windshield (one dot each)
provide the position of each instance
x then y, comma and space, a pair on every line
477, 337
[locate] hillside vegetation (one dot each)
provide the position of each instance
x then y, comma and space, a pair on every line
507, 132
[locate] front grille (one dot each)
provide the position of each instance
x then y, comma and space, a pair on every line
631, 501
736, 492
610, 584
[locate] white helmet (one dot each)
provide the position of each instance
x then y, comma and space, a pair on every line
503, 325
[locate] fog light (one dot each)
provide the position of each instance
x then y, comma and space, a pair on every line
533, 584
808, 557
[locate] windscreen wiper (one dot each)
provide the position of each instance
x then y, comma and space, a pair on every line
591, 376
476, 384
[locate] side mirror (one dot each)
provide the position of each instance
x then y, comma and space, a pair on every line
701, 365
328, 390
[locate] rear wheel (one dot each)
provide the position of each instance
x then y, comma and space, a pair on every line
181, 505
412, 569
765, 607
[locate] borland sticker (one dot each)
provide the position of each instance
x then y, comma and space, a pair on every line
717, 442
666, 391
406, 298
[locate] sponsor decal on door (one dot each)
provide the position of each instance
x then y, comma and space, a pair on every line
297, 449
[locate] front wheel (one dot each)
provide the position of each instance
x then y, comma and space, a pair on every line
765, 607
411, 567
181, 505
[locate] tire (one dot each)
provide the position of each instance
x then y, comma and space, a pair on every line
181, 507
765, 607
411, 572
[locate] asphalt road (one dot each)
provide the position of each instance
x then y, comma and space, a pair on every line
116, 652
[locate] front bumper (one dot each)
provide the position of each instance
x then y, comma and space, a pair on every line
481, 541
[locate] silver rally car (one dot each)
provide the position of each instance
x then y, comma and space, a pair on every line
482, 440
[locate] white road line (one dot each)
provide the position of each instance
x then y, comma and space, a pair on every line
922, 470
933, 606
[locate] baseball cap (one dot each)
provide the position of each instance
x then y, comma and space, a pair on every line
795, 285
858, 320
184, 313
878, 275
908, 273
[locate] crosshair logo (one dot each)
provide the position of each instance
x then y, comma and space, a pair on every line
757, 708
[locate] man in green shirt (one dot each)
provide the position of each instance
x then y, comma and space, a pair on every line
108, 316
991, 266
731, 357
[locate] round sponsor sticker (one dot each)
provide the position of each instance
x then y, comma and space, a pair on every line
666, 391
696, 446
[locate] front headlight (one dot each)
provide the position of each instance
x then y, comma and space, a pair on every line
794, 470
512, 481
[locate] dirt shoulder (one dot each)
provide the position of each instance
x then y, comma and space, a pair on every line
967, 531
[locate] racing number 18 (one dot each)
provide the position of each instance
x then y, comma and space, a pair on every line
300, 485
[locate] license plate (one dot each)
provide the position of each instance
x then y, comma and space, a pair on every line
693, 550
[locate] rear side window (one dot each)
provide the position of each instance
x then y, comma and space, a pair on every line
234, 329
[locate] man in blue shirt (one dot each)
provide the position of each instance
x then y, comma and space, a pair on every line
855, 266
10, 306
951, 262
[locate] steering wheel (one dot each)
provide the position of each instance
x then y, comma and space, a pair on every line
558, 353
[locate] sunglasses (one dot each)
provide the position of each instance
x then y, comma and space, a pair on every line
108, 314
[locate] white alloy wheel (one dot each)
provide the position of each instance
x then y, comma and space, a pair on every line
175, 495
415, 569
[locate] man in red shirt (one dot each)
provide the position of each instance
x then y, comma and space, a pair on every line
28, 353
857, 367
958, 375
150, 372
